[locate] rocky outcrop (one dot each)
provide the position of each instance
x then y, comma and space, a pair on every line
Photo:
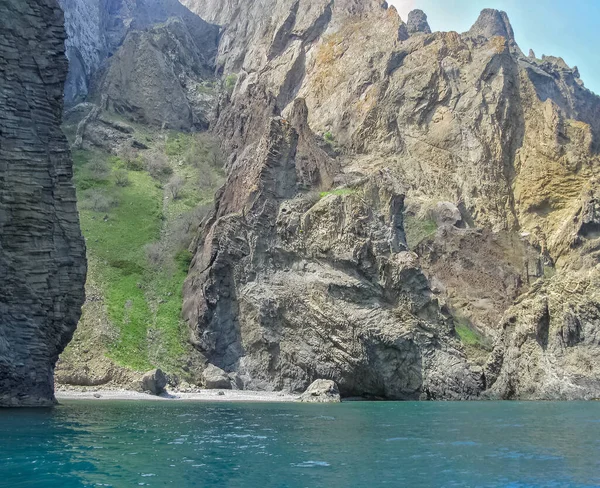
417, 23
162, 76
42, 253
288, 286
154, 382
215, 378
321, 391
493, 23
387, 187
447, 123
98, 28
548, 345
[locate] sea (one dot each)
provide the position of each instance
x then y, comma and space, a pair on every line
353, 444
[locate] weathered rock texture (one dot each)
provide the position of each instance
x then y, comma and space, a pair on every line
156, 77
97, 28
42, 253
151, 61
287, 287
348, 130
154, 382
321, 391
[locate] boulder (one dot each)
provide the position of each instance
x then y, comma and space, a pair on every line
446, 213
216, 379
321, 391
154, 381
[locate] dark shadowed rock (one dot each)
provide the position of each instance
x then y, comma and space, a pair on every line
97, 28
154, 381
417, 23
155, 76
42, 252
321, 391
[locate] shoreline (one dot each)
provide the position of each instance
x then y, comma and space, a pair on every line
198, 396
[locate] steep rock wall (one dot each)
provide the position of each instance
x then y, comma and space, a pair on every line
510, 141
97, 28
42, 252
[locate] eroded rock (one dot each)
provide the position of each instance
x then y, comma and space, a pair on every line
321, 391
42, 252
154, 381
417, 23
215, 378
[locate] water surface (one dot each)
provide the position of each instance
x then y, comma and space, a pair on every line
363, 444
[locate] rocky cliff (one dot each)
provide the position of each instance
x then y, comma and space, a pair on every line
487, 160
42, 253
100, 29
412, 214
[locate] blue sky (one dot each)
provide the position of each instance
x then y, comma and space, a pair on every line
569, 29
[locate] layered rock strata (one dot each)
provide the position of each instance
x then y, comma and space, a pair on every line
42, 252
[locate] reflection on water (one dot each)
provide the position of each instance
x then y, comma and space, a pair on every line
122, 444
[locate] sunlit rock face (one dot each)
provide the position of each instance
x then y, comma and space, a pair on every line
42, 252
510, 141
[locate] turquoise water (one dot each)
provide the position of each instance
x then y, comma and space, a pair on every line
362, 444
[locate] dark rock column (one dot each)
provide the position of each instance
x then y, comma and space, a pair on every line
42, 252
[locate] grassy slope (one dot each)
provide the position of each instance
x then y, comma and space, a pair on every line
143, 301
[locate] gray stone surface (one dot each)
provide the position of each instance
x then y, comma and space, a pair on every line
286, 287
216, 379
154, 381
156, 77
321, 391
417, 23
97, 28
492, 23
42, 252
345, 129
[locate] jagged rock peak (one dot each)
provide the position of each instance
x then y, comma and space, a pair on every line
492, 23
417, 22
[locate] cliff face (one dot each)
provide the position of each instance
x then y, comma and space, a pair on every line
42, 253
413, 214
496, 150
162, 76
98, 28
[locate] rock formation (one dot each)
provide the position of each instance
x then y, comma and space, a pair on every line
97, 28
417, 22
42, 253
144, 59
321, 391
388, 190
154, 382
289, 286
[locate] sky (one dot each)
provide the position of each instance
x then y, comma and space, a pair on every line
569, 29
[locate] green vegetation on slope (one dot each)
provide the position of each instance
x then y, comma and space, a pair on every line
138, 214
417, 230
477, 346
